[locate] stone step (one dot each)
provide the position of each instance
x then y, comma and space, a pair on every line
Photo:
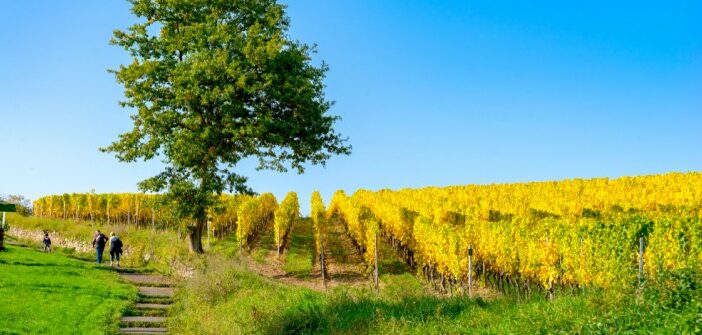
152, 306
143, 319
138, 330
151, 291
145, 312
147, 280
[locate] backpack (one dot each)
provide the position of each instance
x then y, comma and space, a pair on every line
117, 244
102, 239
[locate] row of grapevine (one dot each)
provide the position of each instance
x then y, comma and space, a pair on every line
224, 216
129, 208
360, 223
317, 214
139, 209
285, 215
253, 216
574, 232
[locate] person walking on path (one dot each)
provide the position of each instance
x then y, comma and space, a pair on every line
115, 248
99, 242
47, 242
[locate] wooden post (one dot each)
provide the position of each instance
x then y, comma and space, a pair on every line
208, 234
641, 260
322, 267
375, 271
470, 271
550, 280
582, 285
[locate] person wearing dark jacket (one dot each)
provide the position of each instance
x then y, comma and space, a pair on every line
99, 242
115, 249
47, 242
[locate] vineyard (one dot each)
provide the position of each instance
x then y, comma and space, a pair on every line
544, 236
546, 255
568, 234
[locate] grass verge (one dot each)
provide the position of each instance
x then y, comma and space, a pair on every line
48, 293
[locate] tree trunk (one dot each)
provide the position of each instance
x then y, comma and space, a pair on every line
195, 237
136, 214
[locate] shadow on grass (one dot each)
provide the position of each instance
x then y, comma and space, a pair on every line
359, 316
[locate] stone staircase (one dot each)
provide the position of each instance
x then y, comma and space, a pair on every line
148, 315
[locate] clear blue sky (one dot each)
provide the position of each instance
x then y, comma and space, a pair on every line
431, 93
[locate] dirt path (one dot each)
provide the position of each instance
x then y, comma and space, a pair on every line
344, 264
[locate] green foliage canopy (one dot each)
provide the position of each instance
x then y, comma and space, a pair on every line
215, 82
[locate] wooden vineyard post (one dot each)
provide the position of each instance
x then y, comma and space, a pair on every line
641, 260
375, 270
322, 267
208, 234
550, 280
470, 271
581, 256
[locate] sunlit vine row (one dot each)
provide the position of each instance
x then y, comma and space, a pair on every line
573, 232
285, 215
253, 216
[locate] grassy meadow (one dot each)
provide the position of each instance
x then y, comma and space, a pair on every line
50, 293
226, 297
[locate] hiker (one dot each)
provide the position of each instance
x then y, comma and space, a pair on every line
115, 248
47, 242
99, 242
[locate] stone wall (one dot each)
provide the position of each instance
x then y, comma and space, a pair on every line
37, 236
179, 269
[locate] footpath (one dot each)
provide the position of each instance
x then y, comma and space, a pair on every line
148, 315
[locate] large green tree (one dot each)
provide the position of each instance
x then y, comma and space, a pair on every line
212, 82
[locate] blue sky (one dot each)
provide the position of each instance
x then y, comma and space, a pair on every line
430, 92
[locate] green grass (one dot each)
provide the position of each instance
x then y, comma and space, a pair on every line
298, 260
264, 243
224, 297
44, 293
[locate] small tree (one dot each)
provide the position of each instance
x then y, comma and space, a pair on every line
22, 204
212, 83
